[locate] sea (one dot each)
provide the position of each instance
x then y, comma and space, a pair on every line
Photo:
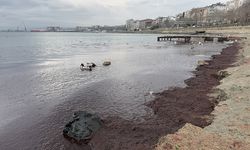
41, 83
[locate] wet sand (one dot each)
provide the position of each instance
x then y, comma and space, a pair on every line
173, 109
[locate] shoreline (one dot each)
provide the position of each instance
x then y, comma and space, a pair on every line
42, 127
230, 128
173, 108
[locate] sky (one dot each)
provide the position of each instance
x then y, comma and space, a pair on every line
71, 13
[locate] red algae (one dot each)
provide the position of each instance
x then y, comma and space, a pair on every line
173, 108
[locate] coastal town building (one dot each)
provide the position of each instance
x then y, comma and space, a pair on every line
145, 24
132, 25
81, 29
139, 25
54, 29
203, 15
162, 21
234, 4
215, 14
218, 14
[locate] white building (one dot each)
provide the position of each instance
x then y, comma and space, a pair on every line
234, 4
138, 25
132, 25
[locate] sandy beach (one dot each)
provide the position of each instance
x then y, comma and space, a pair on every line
230, 128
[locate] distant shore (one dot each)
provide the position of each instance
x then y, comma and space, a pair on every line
189, 30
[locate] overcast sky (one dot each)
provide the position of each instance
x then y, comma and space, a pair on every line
70, 13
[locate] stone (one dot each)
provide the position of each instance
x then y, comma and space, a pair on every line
202, 63
221, 74
219, 95
107, 63
82, 127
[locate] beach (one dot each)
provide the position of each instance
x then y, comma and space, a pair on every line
172, 108
125, 75
42, 84
133, 118
230, 126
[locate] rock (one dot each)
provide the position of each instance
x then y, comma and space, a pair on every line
221, 74
107, 63
82, 127
202, 63
219, 95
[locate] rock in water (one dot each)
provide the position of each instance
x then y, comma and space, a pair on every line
82, 127
202, 63
107, 63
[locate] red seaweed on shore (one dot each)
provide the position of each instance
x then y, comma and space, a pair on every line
173, 109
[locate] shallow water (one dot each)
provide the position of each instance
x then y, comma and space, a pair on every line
41, 83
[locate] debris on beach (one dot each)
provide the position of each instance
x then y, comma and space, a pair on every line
218, 95
230, 42
106, 63
82, 127
202, 63
221, 74
200, 32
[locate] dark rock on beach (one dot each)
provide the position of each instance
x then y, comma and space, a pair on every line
221, 74
82, 127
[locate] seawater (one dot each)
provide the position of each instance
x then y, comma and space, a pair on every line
40, 78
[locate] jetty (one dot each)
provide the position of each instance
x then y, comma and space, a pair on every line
188, 38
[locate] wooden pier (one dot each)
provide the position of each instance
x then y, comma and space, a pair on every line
187, 38
174, 37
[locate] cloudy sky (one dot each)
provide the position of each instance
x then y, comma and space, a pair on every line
67, 13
